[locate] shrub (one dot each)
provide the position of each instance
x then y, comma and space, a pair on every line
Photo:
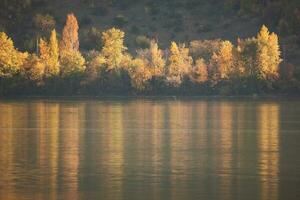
142, 42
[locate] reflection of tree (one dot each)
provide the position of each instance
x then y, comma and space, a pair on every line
52, 116
173, 149
71, 120
6, 148
268, 143
113, 155
225, 143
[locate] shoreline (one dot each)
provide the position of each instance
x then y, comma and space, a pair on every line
153, 97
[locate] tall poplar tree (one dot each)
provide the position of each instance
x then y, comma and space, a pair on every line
70, 41
53, 68
49, 55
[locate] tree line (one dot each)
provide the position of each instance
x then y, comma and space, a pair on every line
200, 68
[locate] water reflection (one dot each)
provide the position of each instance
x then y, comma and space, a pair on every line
133, 149
268, 143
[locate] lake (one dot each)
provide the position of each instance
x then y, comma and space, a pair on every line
140, 149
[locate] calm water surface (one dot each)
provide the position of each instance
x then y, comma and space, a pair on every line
150, 149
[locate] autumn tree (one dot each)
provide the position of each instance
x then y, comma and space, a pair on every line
53, 68
140, 75
49, 55
153, 59
222, 62
73, 63
113, 47
11, 60
70, 41
268, 54
34, 69
179, 64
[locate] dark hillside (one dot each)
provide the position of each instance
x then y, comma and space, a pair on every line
181, 21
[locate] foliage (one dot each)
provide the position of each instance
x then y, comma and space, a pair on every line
92, 39
70, 40
199, 72
204, 48
34, 69
179, 64
140, 75
268, 54
49, 54
113, 47
142, 42
44, 23
153, 59
94, 67
207, 66
11, 60
72, 63
222, 62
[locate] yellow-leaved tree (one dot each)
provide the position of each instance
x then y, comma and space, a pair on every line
140, 74
179, 64
222, 62
268, 54
49, 55
113, 48
71, 60
52, 69
34, 69
153, 59
11, 60
70, 41
73, 63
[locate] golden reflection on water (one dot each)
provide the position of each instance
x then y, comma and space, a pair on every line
268, 143
113, 152
52, 125
161, 150
6, 148
225, 141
